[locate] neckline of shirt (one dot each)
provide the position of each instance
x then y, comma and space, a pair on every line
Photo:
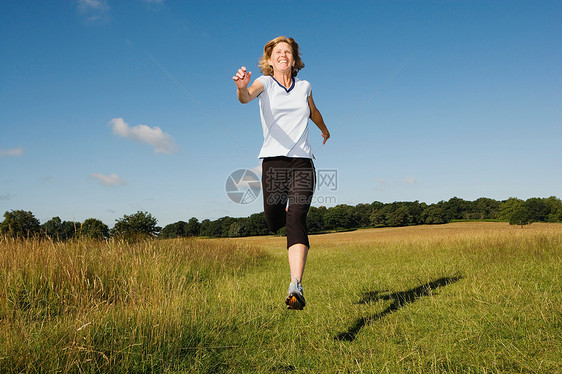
285, 88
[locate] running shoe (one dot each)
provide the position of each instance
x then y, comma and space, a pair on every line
295, 298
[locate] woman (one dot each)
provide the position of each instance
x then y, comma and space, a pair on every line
288, 174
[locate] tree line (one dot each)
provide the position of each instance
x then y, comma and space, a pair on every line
19, 223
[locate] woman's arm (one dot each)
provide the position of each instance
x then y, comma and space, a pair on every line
242, 79
316, 117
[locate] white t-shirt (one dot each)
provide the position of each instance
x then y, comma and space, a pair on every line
284, 118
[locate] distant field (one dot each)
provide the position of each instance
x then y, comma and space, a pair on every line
456, 298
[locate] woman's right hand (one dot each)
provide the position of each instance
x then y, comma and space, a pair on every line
242, 78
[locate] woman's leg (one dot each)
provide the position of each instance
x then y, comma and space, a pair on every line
297, 261
290, 180
300, 198
275, 192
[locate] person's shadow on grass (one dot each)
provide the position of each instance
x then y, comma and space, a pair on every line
399, 299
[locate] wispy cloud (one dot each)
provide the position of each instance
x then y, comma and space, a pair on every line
154, 5
11, 152
409, 180
162, 142
109, 180
93, 10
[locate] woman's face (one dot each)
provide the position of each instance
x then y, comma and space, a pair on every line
282, 58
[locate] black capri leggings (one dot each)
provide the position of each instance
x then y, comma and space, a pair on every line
292, 180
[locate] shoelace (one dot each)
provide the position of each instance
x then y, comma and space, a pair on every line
297, 282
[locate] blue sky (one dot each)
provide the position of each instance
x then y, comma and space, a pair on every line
111, 107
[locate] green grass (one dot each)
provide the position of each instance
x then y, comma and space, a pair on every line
456, 298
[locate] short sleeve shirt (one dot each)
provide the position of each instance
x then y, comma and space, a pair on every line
284, 117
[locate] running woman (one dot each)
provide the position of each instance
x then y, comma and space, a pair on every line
288, 175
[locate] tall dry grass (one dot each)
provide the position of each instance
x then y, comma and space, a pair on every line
95, 306
455, 298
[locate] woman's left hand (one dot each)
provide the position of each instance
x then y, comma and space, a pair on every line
326, 136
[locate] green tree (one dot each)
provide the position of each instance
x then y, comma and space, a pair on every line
433, 215
51, 228
136, 225
193, 227
214, 229
520, 216
486, 208
57, 229
538, 209
555, 206
340, 217
20, 224
174, 230
94, 229
398, 213
375, 205
237, 228
315, 219
225, 223
378, 217
398, 217
456, 208
256, 224
204, 227
181, 229
508, 207
361, 215
415, 210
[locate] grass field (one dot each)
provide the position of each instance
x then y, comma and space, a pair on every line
456, 298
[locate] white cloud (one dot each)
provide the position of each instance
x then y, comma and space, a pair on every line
162, 142
409, 180
91, 4
93, 10
11, 152
154, 5
109, 180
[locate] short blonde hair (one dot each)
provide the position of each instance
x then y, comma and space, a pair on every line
267, 69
